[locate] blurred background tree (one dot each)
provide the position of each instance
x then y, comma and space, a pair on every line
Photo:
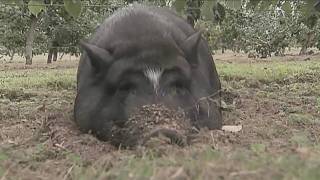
52, 27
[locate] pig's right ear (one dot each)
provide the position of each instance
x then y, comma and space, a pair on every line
99, 58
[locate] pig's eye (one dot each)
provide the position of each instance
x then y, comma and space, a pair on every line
126, 87
178, 87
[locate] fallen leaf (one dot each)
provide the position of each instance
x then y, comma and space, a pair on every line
232, 128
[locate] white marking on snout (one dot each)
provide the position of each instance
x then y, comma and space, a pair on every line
154, 75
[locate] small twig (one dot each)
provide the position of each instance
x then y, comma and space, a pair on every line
119, 148
177, 173
316, 138
195, 129
241, 173
212, 138
208, 104
76, 142
205, 98
37, 134
68, 172
214, 145
60, 146
210, 96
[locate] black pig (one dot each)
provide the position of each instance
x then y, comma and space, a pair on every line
145, 55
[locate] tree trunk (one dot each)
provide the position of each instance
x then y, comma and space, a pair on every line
193, 11
30, 39
303, 50
55, 54
49, 60
53, 51
61, 56
12, 55
307, 43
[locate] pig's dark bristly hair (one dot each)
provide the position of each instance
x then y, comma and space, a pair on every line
136, 46
145, 44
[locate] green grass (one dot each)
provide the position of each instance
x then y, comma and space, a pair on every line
45, 78
299, 118
3, 157
318, 103
210, 163
267, 72
65, 78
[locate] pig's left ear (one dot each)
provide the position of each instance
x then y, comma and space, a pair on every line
190, 48
99, 58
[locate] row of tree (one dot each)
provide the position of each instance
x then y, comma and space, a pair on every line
266, 29
31, 27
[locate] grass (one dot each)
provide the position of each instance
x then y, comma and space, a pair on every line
268, 71
299, 118
65, 78
280, 139
33, 79
252, 163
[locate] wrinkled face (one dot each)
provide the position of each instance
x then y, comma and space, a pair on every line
114, 81
107, 97
139, 82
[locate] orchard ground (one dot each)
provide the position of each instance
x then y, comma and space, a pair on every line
276, 100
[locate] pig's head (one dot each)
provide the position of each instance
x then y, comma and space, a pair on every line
114, 80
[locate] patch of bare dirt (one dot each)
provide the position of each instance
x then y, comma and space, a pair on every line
64, 135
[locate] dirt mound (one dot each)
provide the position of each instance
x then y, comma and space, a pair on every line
152, 121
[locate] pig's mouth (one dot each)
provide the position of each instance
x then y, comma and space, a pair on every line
154, 122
